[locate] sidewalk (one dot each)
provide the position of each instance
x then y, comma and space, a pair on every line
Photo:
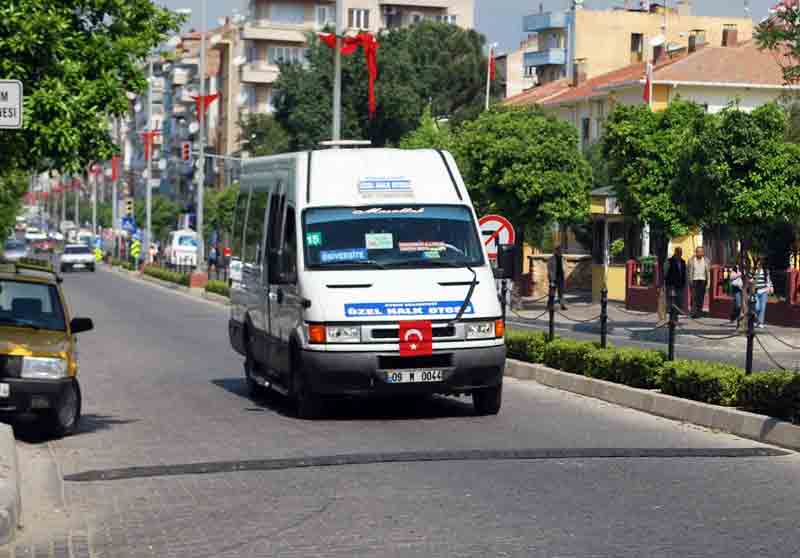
582, 316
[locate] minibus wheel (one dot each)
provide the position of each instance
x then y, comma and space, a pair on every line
487, 401
308, 405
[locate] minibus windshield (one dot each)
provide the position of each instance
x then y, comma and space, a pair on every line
391, 237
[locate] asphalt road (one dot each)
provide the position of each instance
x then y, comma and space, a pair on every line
554, 475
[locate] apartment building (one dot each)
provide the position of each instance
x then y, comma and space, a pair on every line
594, 42
511, 69
277, 31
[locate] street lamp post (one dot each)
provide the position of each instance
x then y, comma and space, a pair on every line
201, 172
149, 140
337, 74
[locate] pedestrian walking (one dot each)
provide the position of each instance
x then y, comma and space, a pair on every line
555, 272
737, 284
212, 258
762, 283
699, 272
675, 279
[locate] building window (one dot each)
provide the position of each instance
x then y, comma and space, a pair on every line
451, 19
637, 47
291, 14
279, 54
417, 18
358, 18
585, 130
326, 16
392, 17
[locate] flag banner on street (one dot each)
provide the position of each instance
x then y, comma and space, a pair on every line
492, 65
416, 338
202, 103
648, 84
349, 46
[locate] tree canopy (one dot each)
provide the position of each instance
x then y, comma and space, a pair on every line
261, 135
643, 150
780, 32
524, 164
164, 216
428, 64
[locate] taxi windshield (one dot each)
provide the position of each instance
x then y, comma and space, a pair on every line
33, 305
391, 237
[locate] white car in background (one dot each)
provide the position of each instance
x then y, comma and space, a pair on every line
14, 250
77, 256
33, 234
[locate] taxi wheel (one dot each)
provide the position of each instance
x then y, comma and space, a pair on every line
63, 419
487, 401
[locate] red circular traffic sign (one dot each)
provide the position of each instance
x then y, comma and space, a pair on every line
496, 230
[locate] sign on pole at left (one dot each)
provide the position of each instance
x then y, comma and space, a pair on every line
10, 104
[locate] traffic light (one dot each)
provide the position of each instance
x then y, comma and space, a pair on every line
186, 151
129, 206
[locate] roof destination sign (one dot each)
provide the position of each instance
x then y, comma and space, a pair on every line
10, 104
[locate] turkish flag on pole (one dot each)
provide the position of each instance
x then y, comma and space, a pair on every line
328, 38
492, 65
349, 46
203, 102
416, 339
648, 84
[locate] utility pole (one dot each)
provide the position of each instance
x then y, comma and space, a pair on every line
77, 202
149, 140
63, 199
201, 172
337, 74
94, 208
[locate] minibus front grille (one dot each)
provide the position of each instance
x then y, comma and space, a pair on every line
10, 366
436, 360
392, 334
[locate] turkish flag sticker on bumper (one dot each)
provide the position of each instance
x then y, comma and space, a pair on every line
416, 339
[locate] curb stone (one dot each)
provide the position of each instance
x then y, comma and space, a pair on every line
10, 499
760, 428
196, 293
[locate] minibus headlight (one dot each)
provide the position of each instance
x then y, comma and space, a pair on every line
43, 368
343, 334
480, 330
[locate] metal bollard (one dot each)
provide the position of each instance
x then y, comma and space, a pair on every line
604, 318
751, 333
673, 325
551, 308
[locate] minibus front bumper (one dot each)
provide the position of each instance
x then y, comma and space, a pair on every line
367, 373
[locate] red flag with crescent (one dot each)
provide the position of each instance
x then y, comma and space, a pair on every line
416, 338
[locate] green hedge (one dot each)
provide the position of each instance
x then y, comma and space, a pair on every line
775, 394
167, 275
218, 287
709, 382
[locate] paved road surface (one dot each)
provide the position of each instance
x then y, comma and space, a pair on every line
553, 475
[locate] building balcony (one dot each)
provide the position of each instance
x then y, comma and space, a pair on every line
547, 57
444, 4
260, 72
181, 76
260, 30
542, 22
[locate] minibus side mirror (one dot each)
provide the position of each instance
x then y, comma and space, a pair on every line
506, 258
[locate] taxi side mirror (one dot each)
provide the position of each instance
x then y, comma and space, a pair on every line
79, 325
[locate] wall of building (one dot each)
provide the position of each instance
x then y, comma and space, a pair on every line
603, 38
717, 98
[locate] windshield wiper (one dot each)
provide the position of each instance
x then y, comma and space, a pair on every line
372, 263
20, 323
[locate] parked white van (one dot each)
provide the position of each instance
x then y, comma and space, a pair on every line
364, 274
181, 248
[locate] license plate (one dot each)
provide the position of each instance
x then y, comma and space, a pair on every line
414, 376
78, 266
5, 390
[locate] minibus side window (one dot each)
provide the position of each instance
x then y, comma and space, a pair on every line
253, 248
287, 273
274, 237
237, 232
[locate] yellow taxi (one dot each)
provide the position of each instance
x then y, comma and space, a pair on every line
38, 354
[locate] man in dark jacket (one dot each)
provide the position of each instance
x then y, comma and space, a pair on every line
675, 279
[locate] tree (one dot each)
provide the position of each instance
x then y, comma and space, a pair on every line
261, 135
430, 134
76, 60
526, 165
164, 216
738, 171
643, 149
427, 64
219, 207
780, 32
13, 186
